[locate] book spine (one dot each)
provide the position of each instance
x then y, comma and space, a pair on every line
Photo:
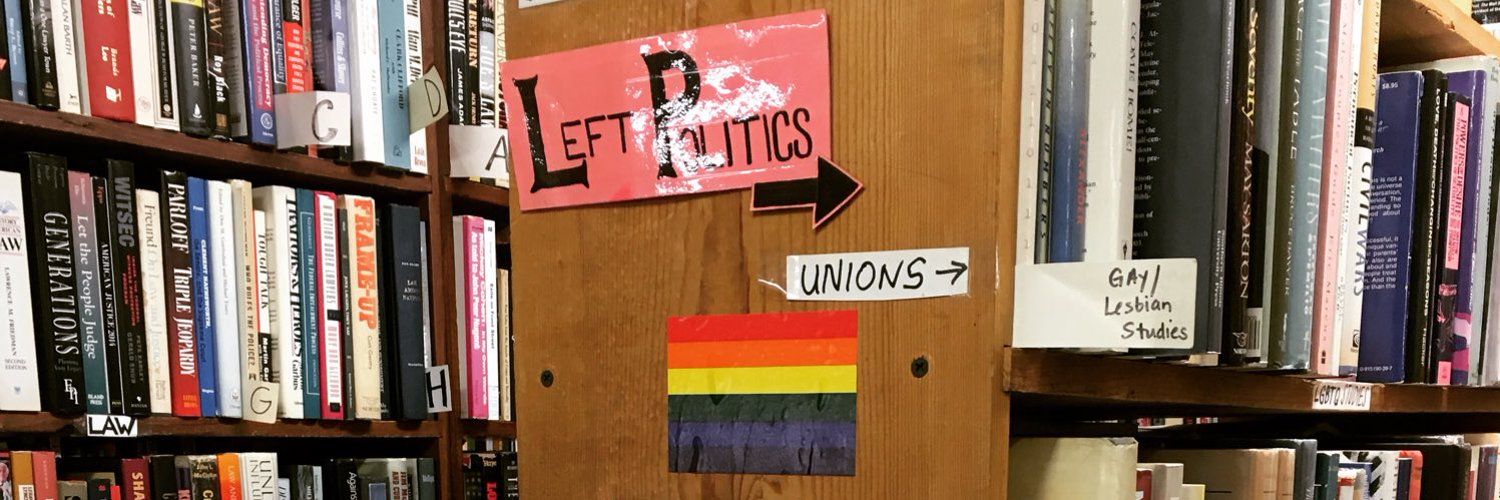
1475, 232
130, 317
1361, 176
244, 253
1043, 205
51, 225
113, 355
458, 51
206, 481
365, 86
311, 321
1070, 135
231, 478
484, 93
294, 29
5, 81
259, 475
1382, 344
1111, 119
1033, 13
177, 260
461, 301
424, 259
404, 306
427, 483
107, 59
473, 11
346, 296
260, 344
1338, 112
1425, 226
195, 107
391, 20
225, 238
1445, 293
285, 305
19, 389
414, 68
65, 43
216, 53
278, 45
143, 61
96, 373
200, 206
228, 64
163, 472
1235, 339
365, 301
330, 45
17, 27
43, 84
153, 300
164, 86
479, 355
330, 313
507, 397
256, 79
491, 321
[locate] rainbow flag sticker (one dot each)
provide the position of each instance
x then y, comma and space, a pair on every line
763, 393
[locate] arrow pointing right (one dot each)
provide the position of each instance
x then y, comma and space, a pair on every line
957, 270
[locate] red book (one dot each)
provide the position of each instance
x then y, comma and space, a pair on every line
114, 492
136, 476
1143, 483
177, 264
294, 30
44, 470
107, 49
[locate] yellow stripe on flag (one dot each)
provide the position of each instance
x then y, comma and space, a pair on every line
762, 380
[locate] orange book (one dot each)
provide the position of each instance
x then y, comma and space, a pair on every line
23, 474
44, 469
230, 486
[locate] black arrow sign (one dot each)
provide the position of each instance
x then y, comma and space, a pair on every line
957, 270
827, 194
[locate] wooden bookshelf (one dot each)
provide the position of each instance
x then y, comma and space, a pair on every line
1426, 30
489, 429
479, 196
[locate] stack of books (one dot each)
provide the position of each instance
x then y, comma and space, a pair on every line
482, 286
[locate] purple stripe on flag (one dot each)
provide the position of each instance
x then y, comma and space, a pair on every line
774, 460
783, 434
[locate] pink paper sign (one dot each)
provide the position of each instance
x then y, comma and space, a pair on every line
712, 109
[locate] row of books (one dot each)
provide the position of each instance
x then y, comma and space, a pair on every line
1404, 468
492, 474
1320, 197
171, 294
483, 312
43, 475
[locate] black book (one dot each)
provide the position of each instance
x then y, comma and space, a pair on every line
106, 253
1448, 226
214, 50
55, 295
205, 477
194, 106
1445, 466
304, 479
1240, 253
163, 477
473, 9
473, 476
130, 320
458, 54
374, 480
1428, 188
99, 487
510, 469
402, 278
341, 480
165, 105
346, 332
41, 61
427, 483
5, 82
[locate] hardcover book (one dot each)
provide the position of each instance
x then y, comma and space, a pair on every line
66, 43
204, 310
19, 390
153, 300
403, 304
194, 107
364, 297
106, 42
1070, 133
143, 61
330, 310
130, 320
224, 243
458, 50
177, 262
41, 71
17, 32
393, 86
96, 372
311, 322
284, 263
215, 14
414, 69
366, 100
59, 338
255, 81
330, 45
113, 349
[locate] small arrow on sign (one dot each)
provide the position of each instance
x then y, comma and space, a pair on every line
827, 194
957, 270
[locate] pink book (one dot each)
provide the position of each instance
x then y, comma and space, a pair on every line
329, 292
1453, 214
44, 470
478, 355
1339, 117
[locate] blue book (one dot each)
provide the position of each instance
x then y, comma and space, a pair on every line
1469, 84
15, 39
330, 45
393, 87
1382, 341
203, 316
254, 76
307, 245
1069, 132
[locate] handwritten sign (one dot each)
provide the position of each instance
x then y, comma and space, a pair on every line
261, 401
890, 275
429, 102
712, 109
312, 119
1120, 304
111, 426
439, 393
1340, 395
478, 152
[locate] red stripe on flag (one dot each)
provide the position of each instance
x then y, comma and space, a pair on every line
766, 326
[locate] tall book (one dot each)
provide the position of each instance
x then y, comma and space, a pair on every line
108, 62
1033, 15
135, 476
153, 300
257, 99
41, 69
458, 50
1070, 133
393, 62
284, 263
403, 305
66, 43
1111, 125
414, 69
485, 69
19, 389
17, 29
194, 107
164, 81
1182, 149
163, 477
346, 296
505, 368
1360, 172
143, 61
1382, 353
490, 291
56, 297
1329, 284
204, 480
231, 482
204, 311
177, 263
245, 252
365, 97
113, 350
130, 320
216, 35
96, 373
261, 381
1238, 272
364, 297
258, 473
1450, 239
308, 314
330, 311
228, 303
330, 44
468, 249
1270, 35
474, 10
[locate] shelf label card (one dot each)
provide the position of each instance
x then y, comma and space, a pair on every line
1108, 305
313, 118
888, 275
262, 401
439, 392
1341, 395
711, 109
429, 102
111, 426
476, 151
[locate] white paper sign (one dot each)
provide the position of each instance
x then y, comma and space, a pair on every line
111, 426
479, 151
314, 118
534, 3
1119, 304
429, 102
1340, 395
439, 393
889, 275
261, 401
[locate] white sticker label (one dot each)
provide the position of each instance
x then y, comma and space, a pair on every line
439, 392
312, 119
890, 275
111, 426
479, 151
1109, 305
1340, 395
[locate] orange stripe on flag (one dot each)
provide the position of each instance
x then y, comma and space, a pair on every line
800, 352
767, 326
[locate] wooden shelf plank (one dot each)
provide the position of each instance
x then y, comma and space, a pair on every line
167, 426
474, 195
489, 429
1425, 30
53, 131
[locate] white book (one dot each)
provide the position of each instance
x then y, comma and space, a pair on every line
364, 298
258, 475
154, 300
492, 320
413, 74
1353, 223
1033, 13
262, 397
461, 312
245, 254
67, 44
19, 386
223, 245
279, 203
364, 58
507, 412
1112, 74
329, 305
166, 111
143, 60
